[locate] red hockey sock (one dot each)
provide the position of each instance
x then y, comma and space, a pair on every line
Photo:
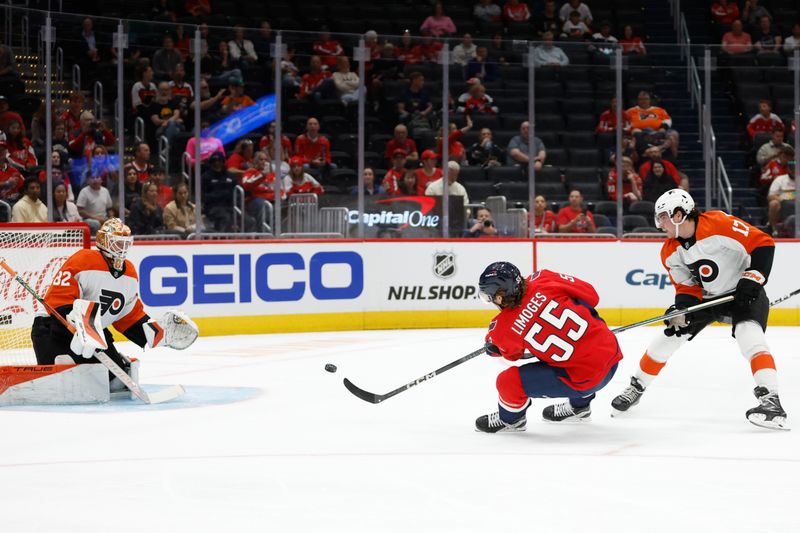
512, 396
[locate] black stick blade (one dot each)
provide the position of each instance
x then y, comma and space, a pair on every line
361, 393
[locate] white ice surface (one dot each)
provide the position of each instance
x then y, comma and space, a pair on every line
306, 455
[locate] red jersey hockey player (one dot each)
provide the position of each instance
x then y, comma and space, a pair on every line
709, 255
95, 289
552, 316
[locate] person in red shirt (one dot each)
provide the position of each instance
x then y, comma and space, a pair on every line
631, 182
20, 151
141, 162
259, 181
311, 83
551, 316
178, 86
265, 144
391, 182
299, 182
10, 178
165, 192
400, 141
544, 220
241, 159
327, 49
6, 115
91, 133
430, 48
724, 12
72, 115
516, 11
313, 148
652, 154
456, 150
429, 171
408, 52
574, 218
776, 167
764, 121
608, 120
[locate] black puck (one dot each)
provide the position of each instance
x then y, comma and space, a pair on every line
330, 368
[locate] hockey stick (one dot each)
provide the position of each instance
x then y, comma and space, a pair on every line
371, 397
158, 397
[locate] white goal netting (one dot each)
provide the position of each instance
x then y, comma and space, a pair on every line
35, 252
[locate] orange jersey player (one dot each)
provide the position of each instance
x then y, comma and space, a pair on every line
708, 255
551, 316
95, 289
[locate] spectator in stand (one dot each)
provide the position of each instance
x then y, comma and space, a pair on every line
8, 64
576, 5
781, 190
327, 48
100, 164
242, 51
39, 125
408, 187
210, 106
6, 116
236, 99
608, 120
179, 214
436, 188
133, 189
313, 83
64, 209
476, 102
221, 67
10, 178
771, 149
764, 121
208, 145
793, 41
464, 51
766, 40
394, 176
87, 48
290, 72
603, 43
371, 44
657, 181
198, 8
548, 21
266, 144
159, 177
516, 11
407, 51
386, 68
217, 190
753, 13
30, 208
724, 12
438, 24
429, 49
313, 149
518, 151
165, 114
776, 167
164, 10
182, 42
241, 159
549, 55
485, 153
483, 226
631, 183
481, 67
429, 172
653, 155
60, 137
299, 182
20, 151
456, 151
94, 203
143, 91
736, 41
263, 41
414, 106
346, 82
72, 115
58, 162
400, 141
146, 217
181, 90
499, 51
646, 116
575, 218
487, 11
574, 28
370, 187
631, 44
259, 184
544, 220
92, 133
166, 58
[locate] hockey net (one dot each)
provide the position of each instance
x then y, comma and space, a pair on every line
36, 252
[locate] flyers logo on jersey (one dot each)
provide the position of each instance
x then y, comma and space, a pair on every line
704, 270
111, 301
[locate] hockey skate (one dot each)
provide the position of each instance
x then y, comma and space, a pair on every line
491, 423
564, 412
628, 398
769, 413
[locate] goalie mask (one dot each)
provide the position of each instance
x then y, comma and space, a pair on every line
504, 279
113, 240
670, 203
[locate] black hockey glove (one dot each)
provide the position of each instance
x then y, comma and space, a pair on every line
492, 350
678, 325
748, 289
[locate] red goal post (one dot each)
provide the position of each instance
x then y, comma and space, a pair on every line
36, 252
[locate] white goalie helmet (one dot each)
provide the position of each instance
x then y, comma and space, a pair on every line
113, 240
669, 203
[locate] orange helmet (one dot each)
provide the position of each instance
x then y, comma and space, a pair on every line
113, 240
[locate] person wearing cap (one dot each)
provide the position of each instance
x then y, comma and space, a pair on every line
393, 177
429, 172
217, 187
6, 115
400, 141
313, 148
236, 99
299, 182
327, 48
242, 50
10, 178
436, 188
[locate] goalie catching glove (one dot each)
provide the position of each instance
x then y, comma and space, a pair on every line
88, 336
174, 329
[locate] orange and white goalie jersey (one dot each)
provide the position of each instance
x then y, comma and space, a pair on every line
86, 275
712, 262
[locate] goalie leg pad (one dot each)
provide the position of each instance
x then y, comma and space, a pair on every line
53, 384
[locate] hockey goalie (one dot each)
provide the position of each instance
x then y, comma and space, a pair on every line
93, 290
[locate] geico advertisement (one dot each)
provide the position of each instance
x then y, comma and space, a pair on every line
625, 274
213, 279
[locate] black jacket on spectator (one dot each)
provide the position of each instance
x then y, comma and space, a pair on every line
654, 186
142, 221
218, 197
481, 155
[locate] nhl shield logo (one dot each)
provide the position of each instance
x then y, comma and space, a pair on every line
444, 264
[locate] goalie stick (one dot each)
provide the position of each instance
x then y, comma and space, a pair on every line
372, 397
158, 397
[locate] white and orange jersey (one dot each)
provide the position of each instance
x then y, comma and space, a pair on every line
86, 275
712, 262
